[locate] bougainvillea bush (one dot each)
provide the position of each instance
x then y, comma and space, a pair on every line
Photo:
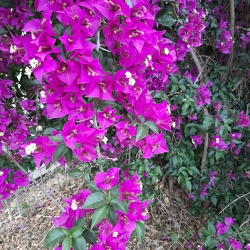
158, 85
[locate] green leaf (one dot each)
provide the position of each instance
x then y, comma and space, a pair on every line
174, 88
54, 237
184, 108
195, 170
210, 241
79, 243
142, 131
79, 222
67, 243
61, 150
112, 215
141, 118
95, 200
140, 230
114, 191
118, 205
92, 187
66, 231
58, 28
75, 173
48, 131
99, 214
69, 155
174, 237
89, 236
56, 138
152, 126
67, 29
188, 185
211, 227
219, 155
177, 160
3, 31
167, 20
214, 200
208, 121
174, 79
76, 231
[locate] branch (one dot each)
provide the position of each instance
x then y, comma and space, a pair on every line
204, 158
98, 151
196, 60
200, 69
232, 19
32, 179
232, 31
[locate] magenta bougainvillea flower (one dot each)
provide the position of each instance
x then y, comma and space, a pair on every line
193, 117
203, 95
6, 189
107, 180
243, 120
221, 228
236, 245
218, 143
229, 221
220, 247
235, 136
129, 189
107, 117
212, 177
20, 179
232, 176
4, 172
28, 105
124, 130
217, 105
152, 144
224, 42
42, 149
196, 140
247, 246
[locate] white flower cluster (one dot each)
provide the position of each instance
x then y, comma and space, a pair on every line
30, 148
74, 205
131, 80
33, 63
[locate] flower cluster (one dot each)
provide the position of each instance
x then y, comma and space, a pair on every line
210, 184
224, 42
222, 228
245, 39
72, 72
127, 209
243, 120
190, 32
203, 95
18, 179
218, 143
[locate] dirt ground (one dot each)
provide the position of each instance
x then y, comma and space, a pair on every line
25, 224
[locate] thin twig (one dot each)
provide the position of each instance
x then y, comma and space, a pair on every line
205, 151
233, 202
32, 179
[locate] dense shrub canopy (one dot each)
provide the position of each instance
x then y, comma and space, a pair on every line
113, 82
